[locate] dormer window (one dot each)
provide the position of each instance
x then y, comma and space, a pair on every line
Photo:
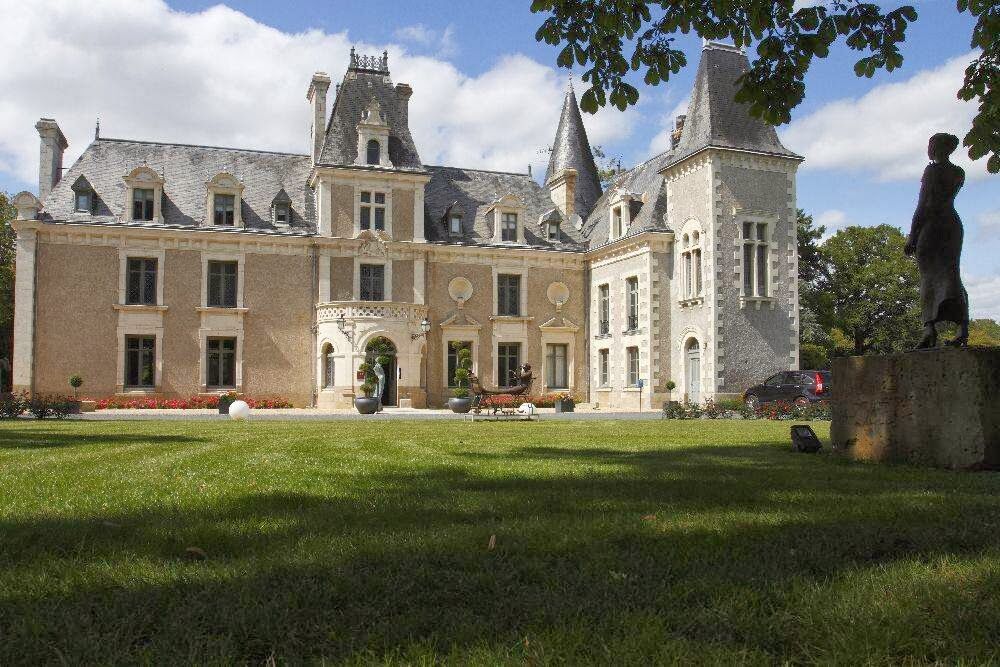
225, 201
224, 214
281, 209
144, 192
83, 202
455, 225
374, 151
143, 204
508, 227
616, 222
552, 231
621, 212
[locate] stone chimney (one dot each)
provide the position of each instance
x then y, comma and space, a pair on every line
562, 190
403, 94
316, 95
675, 136
50, 155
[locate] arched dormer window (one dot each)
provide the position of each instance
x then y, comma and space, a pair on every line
508, 219
225, 201
374, 155
691, 262
143, 195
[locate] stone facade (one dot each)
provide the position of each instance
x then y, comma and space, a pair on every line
270, 274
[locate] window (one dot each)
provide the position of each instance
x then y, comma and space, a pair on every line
602, 368
632, 364
552, 231
632, 298
372, 282
755, 256
328, 369
142, 204
691, 266
508, 227
222, 284
140, 283
556, 375
140, 361
604, 310
220, 362
616, 222
225, 210
508, 361
82, 202
455, 225
372, 211
374, 152
508, 295
282, 214
453, 359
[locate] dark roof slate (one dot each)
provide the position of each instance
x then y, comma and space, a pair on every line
571, 150
474, 191
186, 170
645, 184
353, 96
714, 118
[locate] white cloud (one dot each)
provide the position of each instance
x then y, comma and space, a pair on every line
984, 296
885, 131
989, 225
421, 35
833, 219
219, 77
661, 141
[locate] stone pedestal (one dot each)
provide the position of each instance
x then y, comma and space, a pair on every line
938, 407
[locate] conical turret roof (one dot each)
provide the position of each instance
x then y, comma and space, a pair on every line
571, 150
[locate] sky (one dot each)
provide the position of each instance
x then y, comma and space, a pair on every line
486, 95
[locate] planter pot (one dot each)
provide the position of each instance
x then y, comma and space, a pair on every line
224, 404
366, 405
565, 405
73, 407
460, 405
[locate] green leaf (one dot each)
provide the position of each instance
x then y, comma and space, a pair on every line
565, 58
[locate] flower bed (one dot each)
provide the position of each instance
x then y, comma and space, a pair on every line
193, 403
778, 410
511, 401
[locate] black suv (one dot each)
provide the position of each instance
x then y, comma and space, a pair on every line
798, 387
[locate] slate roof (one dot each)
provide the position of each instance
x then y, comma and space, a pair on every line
571, 150
353, 96
474, 191
186, 169
645, 184
714, 118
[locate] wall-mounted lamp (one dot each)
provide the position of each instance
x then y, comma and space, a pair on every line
346, 328
425, 327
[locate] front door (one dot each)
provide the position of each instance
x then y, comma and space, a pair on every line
694, 374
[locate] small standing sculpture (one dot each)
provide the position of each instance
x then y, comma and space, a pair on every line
380, 376
936, 241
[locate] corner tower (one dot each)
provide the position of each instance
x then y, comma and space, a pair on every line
572, 178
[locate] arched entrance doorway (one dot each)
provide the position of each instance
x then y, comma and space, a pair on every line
692, 370
382, 351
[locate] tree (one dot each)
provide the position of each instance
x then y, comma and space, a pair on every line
607, 167
7, 236
810, 260
593, 33
869, 290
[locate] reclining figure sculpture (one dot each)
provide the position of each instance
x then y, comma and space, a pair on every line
521, 377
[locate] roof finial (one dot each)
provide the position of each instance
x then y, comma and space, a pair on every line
569, 82
97, 129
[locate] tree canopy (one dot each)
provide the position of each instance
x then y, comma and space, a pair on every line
593, 35
7, 237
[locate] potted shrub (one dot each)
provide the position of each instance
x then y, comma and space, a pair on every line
565, 403
367, 404
225, 401
460, 402
671, 385
73, 406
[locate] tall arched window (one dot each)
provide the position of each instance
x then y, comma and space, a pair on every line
374, 152
328, 374
691, 282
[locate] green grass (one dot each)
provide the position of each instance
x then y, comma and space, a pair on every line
616, 542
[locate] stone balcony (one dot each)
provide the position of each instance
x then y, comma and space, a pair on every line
360, 311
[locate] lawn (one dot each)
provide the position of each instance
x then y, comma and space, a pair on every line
357, 542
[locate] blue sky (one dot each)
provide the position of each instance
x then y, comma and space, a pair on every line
486, 95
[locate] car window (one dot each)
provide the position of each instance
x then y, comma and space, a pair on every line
804, 378
774, 380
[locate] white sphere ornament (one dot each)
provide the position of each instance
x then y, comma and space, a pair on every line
239, 410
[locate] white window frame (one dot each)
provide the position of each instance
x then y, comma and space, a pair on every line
387, 263
523, 291
755, 243
144, 177
603, 367
240, 260
129, 330
387, 191
224, 183
509, 203
628, 304
465, 334
603, 303
124, 254
620, 204
628, 366
203, 336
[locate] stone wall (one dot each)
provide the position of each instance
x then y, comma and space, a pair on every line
181, 346
938, 407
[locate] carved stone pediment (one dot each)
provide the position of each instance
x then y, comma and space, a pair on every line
372, 245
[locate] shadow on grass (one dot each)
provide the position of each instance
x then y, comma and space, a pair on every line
633, 557
31, 439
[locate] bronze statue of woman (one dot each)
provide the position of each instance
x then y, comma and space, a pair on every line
936, 241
